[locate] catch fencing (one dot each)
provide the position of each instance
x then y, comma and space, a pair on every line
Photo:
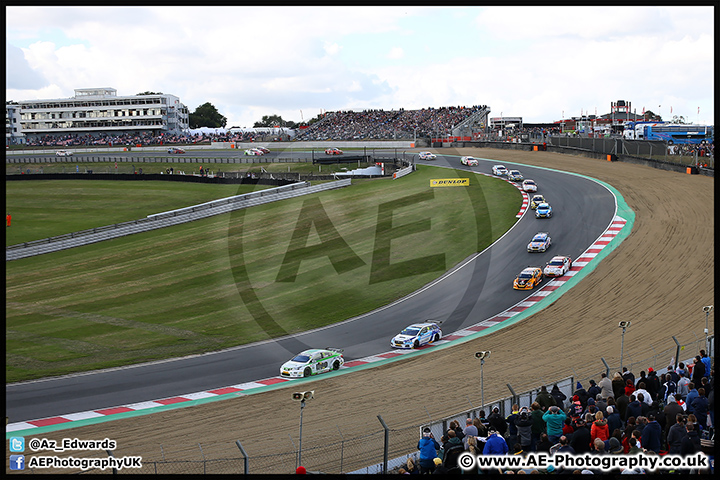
382, 450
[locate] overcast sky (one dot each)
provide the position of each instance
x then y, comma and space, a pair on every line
539, 63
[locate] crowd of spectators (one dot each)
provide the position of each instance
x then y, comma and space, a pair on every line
142, 138
653, 414
392, 124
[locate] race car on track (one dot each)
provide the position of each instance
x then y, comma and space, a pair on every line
515, 176
63, 153
312, 362
175, 150
536, 200
543, 210
528, 279
499, 170
254, 151
529, 186
417, 335
263, 149
557, 267
333, 151
540, 242
469, 161
426, 156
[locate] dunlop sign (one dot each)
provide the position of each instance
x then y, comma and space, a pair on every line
450, 182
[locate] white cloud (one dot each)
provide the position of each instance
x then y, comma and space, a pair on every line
255, 61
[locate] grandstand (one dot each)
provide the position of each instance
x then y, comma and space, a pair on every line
397, 124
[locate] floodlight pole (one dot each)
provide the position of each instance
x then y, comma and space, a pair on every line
624, 326
302, 406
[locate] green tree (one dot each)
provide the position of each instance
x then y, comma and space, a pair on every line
206, 115
272, 121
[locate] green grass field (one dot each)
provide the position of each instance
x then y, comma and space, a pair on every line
231, 279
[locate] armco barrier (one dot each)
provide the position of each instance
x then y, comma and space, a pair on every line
167, 219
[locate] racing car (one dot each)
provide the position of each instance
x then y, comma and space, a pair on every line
63, 153
426, 156
536, 200
254, 151
176, 150
515, 176
499, 170
529, 186
557, 266
540, 242
528, 279
313, 362
543, 210
263, 149
417, 335
333, 151
469, 161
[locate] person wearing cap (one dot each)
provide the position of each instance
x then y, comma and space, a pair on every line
559, 396
495, 444
428, 447
554, 419
523, 423
545, 399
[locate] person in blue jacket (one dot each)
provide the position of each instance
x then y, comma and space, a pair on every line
428, 447
495, 444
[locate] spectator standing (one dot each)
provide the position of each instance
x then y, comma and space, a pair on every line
646, 397
582, 394
511, 427
691, 396
683, 385
581, 437
613, 418
455, 425
451, 441
470, 429
554, 419
545, 399
621, 404
700, 408
633, 409
538, 426
673, 374
682, 369
707, 362
428, 447
675, 434
618, 385
524, 423
672, 410
599, 428
711, 405
559, 396
544, 444
669, 387
698, 371
652, 435
593, 389
691, 441
606, 388
652, 384
640, 380
628, 375
495, 444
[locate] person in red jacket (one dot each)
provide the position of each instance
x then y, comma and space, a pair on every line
599, 428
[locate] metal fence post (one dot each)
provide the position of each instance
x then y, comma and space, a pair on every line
245, 457
387, 444
110, 454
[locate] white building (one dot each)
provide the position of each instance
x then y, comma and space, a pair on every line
98, 111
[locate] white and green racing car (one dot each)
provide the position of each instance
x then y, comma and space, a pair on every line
313, 362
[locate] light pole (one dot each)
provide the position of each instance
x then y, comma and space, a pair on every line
707, 309
624, 326
482, 356
302, 397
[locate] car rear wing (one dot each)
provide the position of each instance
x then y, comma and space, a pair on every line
336, 350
